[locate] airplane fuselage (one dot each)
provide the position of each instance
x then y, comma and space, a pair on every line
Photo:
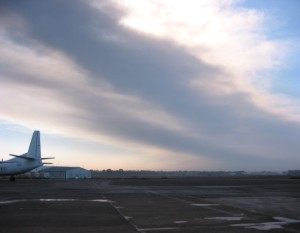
17, 166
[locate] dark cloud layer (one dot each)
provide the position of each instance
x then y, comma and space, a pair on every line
228, 128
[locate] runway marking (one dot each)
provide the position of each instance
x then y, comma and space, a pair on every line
226, 218
180, 222
51, 200
127, 218
210, 206
10, 202
58, 200
215, 207
102, 200
157, 229
266, 226
204, 205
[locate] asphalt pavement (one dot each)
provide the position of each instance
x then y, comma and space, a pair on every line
248, 204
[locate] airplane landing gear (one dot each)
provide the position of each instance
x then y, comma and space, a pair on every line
12, 178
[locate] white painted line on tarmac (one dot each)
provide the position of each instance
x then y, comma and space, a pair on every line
180, 222
57, 200
6, 202
158, 229
266, 226
226, 218
204, 205
10, 201
101, 200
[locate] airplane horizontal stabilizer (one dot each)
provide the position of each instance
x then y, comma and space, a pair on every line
47, 163
22, 157
48, 158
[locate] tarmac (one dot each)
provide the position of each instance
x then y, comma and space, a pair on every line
154, 205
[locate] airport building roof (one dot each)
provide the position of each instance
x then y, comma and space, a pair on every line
57, 172
60, 168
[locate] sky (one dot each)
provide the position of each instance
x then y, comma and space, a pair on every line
152, 84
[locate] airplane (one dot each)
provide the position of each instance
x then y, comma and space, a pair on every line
25, 162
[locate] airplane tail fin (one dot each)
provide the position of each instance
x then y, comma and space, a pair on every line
34, 150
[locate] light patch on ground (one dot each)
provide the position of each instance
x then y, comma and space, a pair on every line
204, 205
10, 202
226, 218
266, 226
157, 229
58, 199
101, 200
52, 200
180, 222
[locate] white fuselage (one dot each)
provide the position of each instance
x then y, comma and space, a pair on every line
18, 166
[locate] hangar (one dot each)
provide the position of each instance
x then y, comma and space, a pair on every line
65, 173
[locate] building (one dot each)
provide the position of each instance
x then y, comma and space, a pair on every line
65, 173
294, 174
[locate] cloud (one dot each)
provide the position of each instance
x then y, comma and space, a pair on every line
223, 34
171, 94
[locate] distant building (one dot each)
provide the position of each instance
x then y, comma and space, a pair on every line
294, 174
65, 173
